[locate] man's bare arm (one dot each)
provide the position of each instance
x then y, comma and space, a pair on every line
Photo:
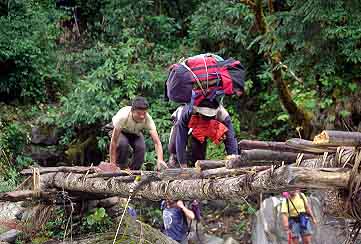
113, 145
189, 213
158, 149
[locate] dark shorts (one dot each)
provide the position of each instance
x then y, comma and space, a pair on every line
296, 229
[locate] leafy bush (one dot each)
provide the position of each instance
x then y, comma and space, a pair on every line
27, 51
13, 140
98, 221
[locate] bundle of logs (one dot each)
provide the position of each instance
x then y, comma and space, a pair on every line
330, 162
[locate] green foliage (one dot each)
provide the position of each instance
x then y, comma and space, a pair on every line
94, 222
117, 77
98, 221
55, 227
13, 140
215, 151
241, 227
223, 31
152, 215
125, 47
27, 51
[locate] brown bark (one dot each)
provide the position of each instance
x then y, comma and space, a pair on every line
75, 169
209, 164
252, 157
224, 172
337, 138
309, 146
17, 196
266, 145
281, 179
299, 116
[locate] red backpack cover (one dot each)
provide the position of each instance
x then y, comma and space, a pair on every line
204, 77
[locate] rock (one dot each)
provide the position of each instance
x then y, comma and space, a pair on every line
115, 211
45, 135
267, 227
109, 202
10, 210
9, 236
92, 205
213, 240
46, 156
230, 240
83, 152
217, 204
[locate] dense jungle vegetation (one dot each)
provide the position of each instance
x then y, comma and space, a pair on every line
71, 64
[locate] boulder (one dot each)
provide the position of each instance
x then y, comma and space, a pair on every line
10, 210
45, 135
9, 236
46, 155
267, 226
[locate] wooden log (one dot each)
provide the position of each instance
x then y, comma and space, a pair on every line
183, 173
224, 172
257, 156
209, 164
338, 138
17, 196
281, 179
309, 146
341, 159
74, 169
267, 145
167, 174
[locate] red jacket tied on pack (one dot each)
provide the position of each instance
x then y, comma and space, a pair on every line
204, 128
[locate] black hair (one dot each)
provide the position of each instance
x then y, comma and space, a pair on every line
140, 103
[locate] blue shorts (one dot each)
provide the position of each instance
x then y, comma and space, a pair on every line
296, 229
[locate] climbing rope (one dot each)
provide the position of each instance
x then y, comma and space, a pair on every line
36, 182
121, 218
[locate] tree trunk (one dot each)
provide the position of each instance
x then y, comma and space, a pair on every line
210, 164
281, 179
337, 138
252, 157
17, 196
224, 172
301, 118
309, 146
267, 145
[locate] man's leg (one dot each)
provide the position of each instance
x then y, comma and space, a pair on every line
173, 162
295, 230
198, 150
122, 150
307, 233
138, 145
171, 143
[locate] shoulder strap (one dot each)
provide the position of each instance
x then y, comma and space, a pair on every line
195, 77
303, 199
294, 206
288, 207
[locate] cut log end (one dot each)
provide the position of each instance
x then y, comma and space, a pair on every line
321, 138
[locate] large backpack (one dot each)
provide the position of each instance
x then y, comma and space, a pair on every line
205, 76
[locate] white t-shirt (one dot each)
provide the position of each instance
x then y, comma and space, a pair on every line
124, 120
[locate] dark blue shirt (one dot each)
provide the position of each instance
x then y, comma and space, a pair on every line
175, 224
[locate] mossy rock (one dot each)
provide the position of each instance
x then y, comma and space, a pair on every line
131, 231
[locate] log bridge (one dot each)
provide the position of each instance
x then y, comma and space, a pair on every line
329, 163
